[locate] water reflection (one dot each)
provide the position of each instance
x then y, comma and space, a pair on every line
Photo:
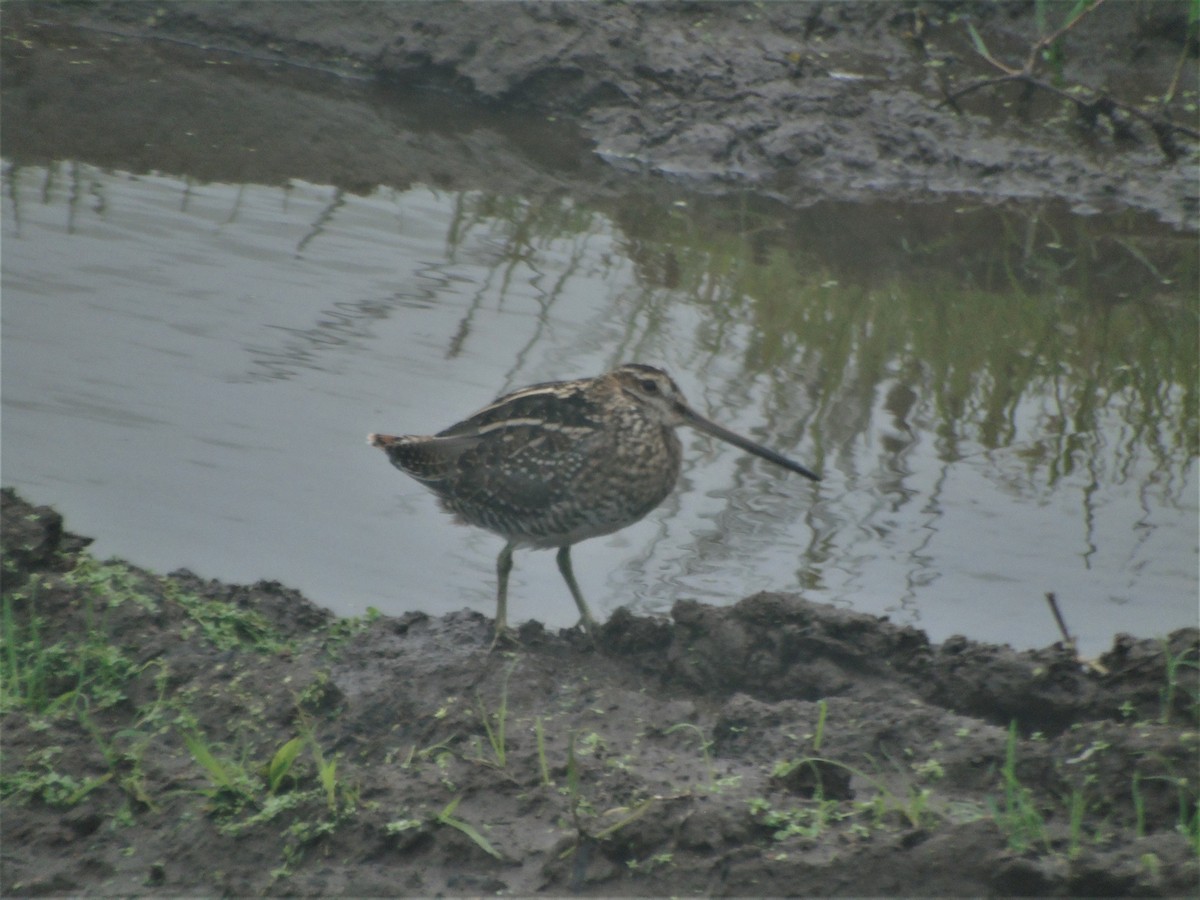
1002, 400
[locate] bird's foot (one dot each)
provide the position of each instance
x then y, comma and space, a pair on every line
505, 637
590, 629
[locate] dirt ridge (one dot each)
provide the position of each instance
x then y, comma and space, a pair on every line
775, 747
803, 102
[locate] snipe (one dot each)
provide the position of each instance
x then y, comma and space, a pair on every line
556, 463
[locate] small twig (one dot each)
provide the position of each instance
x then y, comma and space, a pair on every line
1164, 129
1169, 94
1129, 108
1094, 664
1081, 103
1062, 625
1049, 39
953, 97
982, 49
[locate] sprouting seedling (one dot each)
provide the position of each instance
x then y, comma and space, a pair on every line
447, 817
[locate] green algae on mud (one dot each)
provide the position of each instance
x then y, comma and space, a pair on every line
179, 735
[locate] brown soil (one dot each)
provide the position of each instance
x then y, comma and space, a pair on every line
800, 102
774, 747
677, 757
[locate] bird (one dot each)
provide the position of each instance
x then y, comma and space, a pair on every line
558, 462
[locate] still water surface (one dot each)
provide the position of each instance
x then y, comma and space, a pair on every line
190, 370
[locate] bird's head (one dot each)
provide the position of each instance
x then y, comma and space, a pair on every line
654, 391
661, 399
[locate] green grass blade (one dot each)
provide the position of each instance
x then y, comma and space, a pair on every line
328, 773
540, 734
217, 771
572, 768
980, 46
818, 737
446, 817
282, 762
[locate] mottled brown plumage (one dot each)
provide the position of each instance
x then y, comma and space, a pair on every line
556, 463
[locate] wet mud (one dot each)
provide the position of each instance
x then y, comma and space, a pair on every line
183, 736
800, 102
168, 735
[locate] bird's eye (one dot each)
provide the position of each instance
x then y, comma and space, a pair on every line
650, 387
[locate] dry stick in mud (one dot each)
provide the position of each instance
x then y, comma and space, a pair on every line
1069, 639
1090, 107
1062, 625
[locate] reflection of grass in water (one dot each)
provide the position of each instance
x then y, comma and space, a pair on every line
994, 369
998, 349
1019, 326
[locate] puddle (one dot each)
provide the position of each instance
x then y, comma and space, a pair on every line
1001, 399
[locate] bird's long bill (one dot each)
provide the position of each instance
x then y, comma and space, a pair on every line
697, 421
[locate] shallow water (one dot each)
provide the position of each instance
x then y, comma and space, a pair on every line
190, 371
1001, 399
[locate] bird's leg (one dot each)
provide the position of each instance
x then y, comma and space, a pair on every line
564, 566
504, 565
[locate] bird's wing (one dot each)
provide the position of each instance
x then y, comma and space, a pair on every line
524, 451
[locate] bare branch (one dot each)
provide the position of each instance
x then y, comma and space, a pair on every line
1048, 40
1090, 106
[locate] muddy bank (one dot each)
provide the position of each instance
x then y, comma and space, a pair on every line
802, 102
171, 735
